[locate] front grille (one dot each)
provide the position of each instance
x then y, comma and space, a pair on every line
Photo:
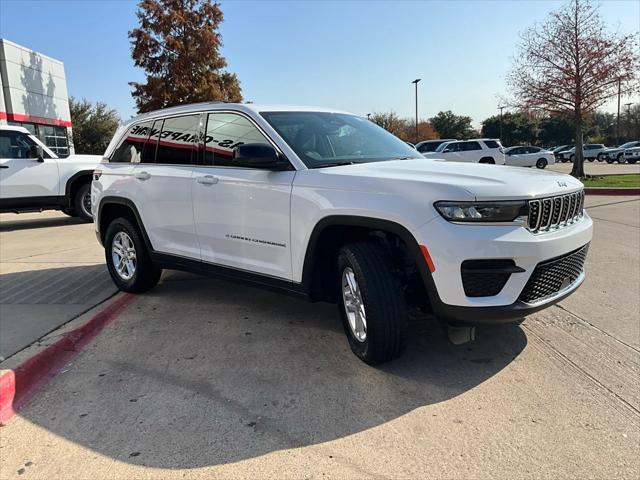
485, 278
553, 275
552, 213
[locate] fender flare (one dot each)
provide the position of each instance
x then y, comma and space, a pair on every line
374, 224
112, 200
72, 180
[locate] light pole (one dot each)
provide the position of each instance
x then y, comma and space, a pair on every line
628, 105
368, 116
501, 108
618, 118
416, 84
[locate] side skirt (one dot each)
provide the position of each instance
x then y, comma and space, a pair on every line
174, 262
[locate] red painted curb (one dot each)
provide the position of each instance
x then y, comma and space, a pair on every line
612, 191
18, 386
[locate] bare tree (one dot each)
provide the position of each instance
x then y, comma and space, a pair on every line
572, 64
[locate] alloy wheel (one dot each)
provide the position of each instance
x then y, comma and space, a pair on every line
123, 255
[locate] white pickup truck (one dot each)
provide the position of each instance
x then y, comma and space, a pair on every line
33, 178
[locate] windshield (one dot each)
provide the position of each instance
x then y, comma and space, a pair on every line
324, 139
628, 145
442, 147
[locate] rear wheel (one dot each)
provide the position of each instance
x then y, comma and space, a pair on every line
82, 202
632, 161
541, 163
591, 159
621, 159
600, 157
609, 160
128, 260
488, 160
371, 303
572, 158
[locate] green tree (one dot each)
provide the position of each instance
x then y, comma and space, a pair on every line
177, 44
556, 130
517, 129
450, 125
93, 125
571, 64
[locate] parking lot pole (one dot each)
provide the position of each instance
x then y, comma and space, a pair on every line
618, 118
416, 83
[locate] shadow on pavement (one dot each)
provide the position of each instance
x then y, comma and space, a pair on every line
31, 223
201, 372
35, 302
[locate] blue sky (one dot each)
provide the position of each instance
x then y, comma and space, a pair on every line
358, 56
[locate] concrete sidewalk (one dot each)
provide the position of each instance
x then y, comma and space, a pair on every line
51, 270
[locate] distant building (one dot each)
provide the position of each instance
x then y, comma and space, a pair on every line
34, 95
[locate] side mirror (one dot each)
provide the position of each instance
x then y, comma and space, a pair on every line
36, 152
258, 155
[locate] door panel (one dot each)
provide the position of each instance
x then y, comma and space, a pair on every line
242, 219
241, 214
163, 180
22, 176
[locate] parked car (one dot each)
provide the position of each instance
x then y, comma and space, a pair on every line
558, 150
329, 206
33, 178
480, 150
632, 155
590, 152
617, 154
523, 156
427, 146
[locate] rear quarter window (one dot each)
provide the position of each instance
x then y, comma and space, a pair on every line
491, 144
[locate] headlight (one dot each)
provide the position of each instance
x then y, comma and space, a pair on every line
484, 212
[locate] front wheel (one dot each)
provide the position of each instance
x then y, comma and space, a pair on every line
82, 202
128, 260
621, 159
371, 303
541, 163
591, 159
632, 162
572, 158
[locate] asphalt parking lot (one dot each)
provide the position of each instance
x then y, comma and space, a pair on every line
598, 168
201, 378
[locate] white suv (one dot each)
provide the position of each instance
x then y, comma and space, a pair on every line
478, 150
331, 207
33, 178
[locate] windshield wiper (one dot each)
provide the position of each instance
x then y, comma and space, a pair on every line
334, 164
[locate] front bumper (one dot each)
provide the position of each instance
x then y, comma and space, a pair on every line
450, 244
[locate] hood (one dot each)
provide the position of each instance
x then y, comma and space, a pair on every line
481, 181
84, 159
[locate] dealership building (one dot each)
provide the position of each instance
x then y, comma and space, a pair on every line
34, 96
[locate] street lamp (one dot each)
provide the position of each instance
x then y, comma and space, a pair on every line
628, 105
501, 108
416, 84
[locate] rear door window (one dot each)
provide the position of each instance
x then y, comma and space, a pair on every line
471, 146
178, 142
132, 145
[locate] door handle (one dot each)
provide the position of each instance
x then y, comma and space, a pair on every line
208, 180
143, 175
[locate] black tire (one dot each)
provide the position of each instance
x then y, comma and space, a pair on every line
621, 159
572, 158
382, 298
146, 274
80, 207
591, 159
609, 160
600, 157
632, 162
488, 160
541, 163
